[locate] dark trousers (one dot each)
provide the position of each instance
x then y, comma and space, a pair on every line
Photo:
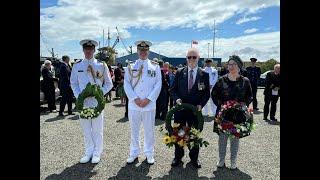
254, 95
66, 98
126, 113
183, 117
51, 99
171, 102
162, 105
267, 100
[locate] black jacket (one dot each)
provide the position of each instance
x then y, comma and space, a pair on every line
272, 81
48, 80
198, 95
64, 80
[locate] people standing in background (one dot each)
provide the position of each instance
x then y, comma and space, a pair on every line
109, 95
213, 77
65, 87
48, 87
171, 75
272, 93
117, 77
253, 73
163, 99
121, 91
224, 69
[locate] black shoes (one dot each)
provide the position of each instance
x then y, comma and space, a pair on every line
274, 119
196, 164
71, 113
176, 162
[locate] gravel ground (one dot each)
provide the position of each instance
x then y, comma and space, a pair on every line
61, 147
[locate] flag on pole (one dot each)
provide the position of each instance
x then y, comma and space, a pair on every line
194, 42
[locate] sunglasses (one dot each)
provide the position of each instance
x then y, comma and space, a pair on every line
193, 57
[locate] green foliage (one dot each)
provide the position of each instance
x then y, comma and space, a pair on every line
91, 90
268, 65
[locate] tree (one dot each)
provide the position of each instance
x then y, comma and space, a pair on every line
106, 54
268, 65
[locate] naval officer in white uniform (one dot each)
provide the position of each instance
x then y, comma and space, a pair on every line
80, 77
213, 77
142, 84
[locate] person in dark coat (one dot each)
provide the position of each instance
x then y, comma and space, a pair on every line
191, 85
48, 87
253, 73
118, 77
163, 99
65, 88
272, 93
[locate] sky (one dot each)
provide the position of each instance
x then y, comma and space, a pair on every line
247, 28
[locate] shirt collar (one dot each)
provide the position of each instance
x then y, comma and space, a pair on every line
194, 69
144, 62
89, 60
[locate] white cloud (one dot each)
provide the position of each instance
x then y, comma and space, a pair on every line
73, 20
252, 30
245, 19
77, 19
263, 46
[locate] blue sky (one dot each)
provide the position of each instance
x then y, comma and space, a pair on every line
62, 26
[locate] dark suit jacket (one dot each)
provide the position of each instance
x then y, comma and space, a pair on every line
65, 73
196, 96
48, 80
272, 81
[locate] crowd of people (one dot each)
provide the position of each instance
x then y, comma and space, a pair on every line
149, 88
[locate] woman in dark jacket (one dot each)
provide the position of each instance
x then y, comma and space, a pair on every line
48, 87
231, 86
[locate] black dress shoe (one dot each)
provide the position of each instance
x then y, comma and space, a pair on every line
196, 164
71, 113
265, 118
176, 162
61, 115
256, 109
274, 119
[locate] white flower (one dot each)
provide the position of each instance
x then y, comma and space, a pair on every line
192, 144
181, 133
238, 130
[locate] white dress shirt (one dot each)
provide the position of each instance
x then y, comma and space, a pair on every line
194, 73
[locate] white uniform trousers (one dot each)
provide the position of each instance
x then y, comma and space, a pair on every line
210, 106
93, 135
148, 120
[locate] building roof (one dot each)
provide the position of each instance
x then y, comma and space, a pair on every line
175, 61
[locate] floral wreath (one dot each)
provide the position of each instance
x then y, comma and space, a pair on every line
180, 107
234, 119
184, 136
91, 90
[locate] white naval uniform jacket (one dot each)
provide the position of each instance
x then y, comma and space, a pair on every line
149, 85
80, 78
213, 75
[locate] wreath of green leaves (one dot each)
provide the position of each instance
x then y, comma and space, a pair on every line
183, 106
91, 90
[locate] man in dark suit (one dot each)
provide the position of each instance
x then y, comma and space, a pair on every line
271, 93
191, 85
48, 87
65, 88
